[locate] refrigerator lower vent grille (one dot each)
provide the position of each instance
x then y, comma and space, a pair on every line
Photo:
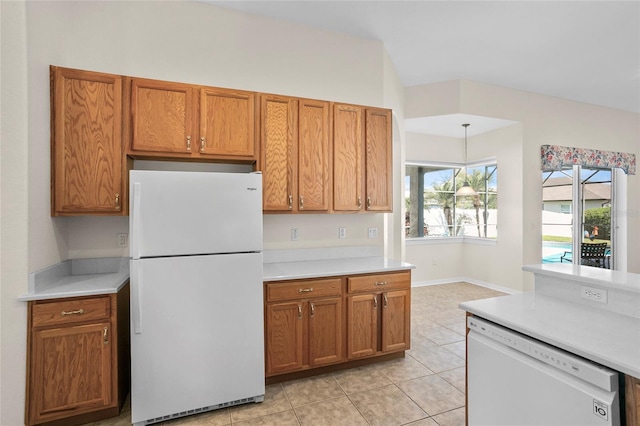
202, 409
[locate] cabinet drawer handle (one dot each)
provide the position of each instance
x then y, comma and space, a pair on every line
384, 296
301, 203
359, 203
189, 143
299, 312
202, 144
117, 201
380, 283
305, 290
78, 312
375, 303
313, 310
290, 201
105, 336
368, 202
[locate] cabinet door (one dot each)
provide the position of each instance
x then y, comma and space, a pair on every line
325, 331
86, 143
71, 370
227, 120
378, 160
396, 320
632, 400
284, 325
279, 129
347, 158
162, 114
314, 156
362, 322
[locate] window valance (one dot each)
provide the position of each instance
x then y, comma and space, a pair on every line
555, 157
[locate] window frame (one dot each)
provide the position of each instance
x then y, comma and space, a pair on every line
492, 161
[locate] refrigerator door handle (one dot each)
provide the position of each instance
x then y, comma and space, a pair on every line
136, 222
136, 297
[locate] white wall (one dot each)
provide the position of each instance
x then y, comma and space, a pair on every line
13, 210
491, 263
543, 120
190, 42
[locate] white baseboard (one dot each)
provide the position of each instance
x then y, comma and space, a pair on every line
466, 280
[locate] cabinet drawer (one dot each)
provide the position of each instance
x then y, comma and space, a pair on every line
379, 282
71, 311
304, 289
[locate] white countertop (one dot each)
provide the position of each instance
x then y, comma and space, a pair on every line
78, 277
278, 271
588, 275
558, 314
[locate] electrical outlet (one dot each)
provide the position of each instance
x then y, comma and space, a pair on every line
122, 240
595, 294
342, 233
294, 234
373, 232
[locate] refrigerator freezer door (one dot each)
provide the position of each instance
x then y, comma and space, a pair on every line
200, 336
183, 213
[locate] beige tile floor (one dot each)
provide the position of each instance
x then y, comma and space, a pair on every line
425, 388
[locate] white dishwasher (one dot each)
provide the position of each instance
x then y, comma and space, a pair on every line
514, 380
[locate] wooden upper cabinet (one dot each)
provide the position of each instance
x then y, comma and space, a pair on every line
278, 139
295, 154
162, 116
347, 157
175, 120
87, 167
314, 156
378, 160
227, 122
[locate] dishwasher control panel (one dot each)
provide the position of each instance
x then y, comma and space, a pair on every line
562, 360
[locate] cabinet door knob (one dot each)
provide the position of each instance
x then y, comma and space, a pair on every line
313, 310
202, 144
117, 201
105, 336
189, 143
375, 302
359, 203
384, 296
299, 312
380, 283
368, 202
305, 290
301, 203
290, 201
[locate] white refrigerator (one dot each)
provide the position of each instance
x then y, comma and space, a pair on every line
197, 336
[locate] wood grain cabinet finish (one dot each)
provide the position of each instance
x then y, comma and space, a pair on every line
295, 154
307, 331
362, 158
378, 314
335, 322
88, 166
632, 400
77, 358
176, 120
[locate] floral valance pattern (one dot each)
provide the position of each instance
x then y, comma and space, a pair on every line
555, 157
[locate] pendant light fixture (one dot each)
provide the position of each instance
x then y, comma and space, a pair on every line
465, 189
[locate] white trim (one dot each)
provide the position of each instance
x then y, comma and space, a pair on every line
466, 280
450, 240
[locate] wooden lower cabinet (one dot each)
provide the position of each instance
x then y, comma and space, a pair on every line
632, 400
77, 358
378, 320
303, 333
326, 322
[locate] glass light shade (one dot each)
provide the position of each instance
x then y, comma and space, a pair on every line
466, 190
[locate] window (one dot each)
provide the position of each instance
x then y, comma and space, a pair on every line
434, 211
